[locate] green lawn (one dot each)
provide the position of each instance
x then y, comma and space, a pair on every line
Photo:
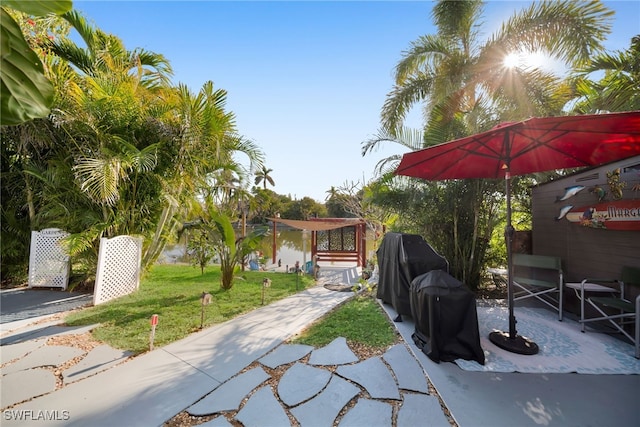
173, 293
359, 320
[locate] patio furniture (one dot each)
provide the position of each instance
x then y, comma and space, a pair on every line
540, 277
614, 308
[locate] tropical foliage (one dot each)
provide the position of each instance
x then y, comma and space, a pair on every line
463, 86
122, 152
618, 89
25, 93
263, 176
103, 143
218, 233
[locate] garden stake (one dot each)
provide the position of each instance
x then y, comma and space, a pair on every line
265, 284
154, 322
205, 299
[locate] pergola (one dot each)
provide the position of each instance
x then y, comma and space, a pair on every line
332, 239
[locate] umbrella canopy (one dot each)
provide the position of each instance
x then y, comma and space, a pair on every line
533, 145
520, 148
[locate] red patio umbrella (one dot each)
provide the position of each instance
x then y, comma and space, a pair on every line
520, 148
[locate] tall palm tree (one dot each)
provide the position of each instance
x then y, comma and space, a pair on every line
464, 87
262, 176
331, 193
462, 79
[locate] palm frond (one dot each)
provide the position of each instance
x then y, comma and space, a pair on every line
455, 19
99, 178
401, 98
567, 30
423, 54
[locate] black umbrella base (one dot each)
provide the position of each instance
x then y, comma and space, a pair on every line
518, 344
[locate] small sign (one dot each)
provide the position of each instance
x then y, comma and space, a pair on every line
154, 320
611, 215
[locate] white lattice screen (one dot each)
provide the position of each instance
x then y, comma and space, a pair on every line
48, 261
118, 271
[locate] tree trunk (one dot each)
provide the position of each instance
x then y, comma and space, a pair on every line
157, 243
30, 204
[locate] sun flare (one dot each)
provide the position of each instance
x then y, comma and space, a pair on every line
511, 60
525, 60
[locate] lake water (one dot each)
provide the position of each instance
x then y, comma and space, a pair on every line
290, 247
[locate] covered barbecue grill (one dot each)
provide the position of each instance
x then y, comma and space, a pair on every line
445, 318
401, 258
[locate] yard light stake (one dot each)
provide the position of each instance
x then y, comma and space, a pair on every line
205, 299
266, 283
154, 323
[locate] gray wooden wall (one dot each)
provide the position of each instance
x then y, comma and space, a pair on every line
585, 251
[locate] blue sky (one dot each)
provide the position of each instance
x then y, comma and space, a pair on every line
306, 80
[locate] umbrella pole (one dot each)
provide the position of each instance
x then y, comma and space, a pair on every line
509, 231
512, 341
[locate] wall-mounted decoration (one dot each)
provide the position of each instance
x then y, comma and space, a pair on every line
599, 192
564, 211
613, 215
615, 185
570, 192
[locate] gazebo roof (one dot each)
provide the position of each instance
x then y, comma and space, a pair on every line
319, 224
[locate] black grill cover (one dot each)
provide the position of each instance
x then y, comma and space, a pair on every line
401, 258
446, 321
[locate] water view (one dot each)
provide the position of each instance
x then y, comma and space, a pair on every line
291, 247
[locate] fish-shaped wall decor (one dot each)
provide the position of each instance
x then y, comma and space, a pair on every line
570, 192
564, 211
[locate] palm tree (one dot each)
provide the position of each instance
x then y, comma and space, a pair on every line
463, 80
408, 138
465, 87
331, 193
203, 148
221, 237
262, 176
104, 50
114, 121
122, 153
617, 90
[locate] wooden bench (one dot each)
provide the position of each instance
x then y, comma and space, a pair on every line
540, 277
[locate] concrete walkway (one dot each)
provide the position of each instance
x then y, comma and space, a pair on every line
238, 369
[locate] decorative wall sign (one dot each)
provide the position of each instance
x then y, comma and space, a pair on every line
612, 215
570, 192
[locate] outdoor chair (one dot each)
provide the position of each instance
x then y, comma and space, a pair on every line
614, 308
539, 277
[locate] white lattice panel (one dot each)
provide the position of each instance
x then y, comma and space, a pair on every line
118, 271
48, 261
